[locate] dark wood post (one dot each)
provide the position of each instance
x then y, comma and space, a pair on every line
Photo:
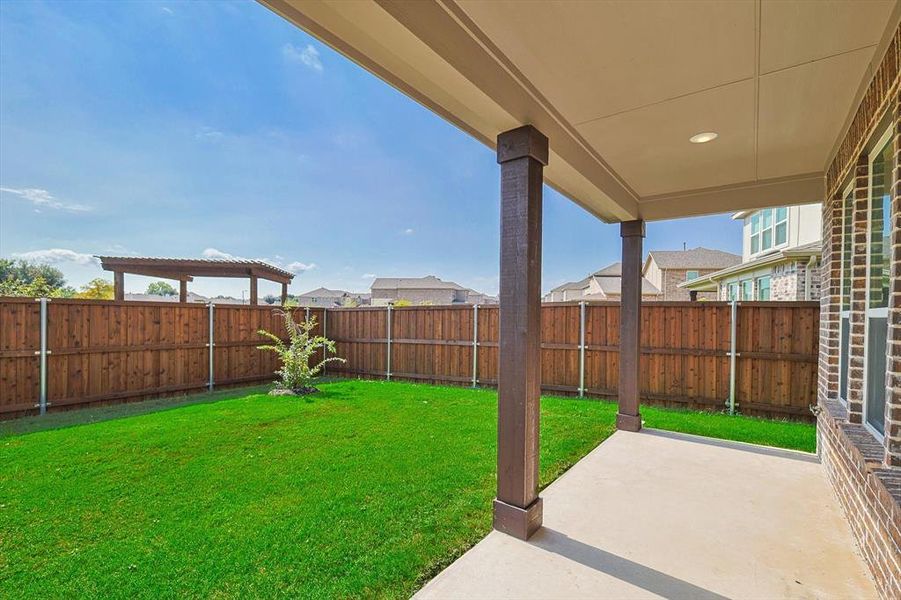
118, 286
693, 295
253, 290
628, 417
284, 293
522, 154
183, 291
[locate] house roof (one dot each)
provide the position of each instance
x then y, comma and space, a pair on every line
429, 282
323, 292
613, 286
696, 258
709, 281
611, 270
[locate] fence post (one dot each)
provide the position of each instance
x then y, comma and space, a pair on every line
581, 349
43, 352
324, 315
211, 344
475, 344
732, 354
388, 358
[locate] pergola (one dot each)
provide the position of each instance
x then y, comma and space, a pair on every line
637, 111
186, 269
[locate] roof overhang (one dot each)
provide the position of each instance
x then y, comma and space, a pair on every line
619, 87
711, 281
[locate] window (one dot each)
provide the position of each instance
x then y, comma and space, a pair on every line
747, 289
733, 292
769, 229
878, 260
763, 288
845, 314
689, 275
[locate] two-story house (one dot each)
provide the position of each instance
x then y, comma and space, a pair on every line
781, 249
424, 291
603, 284
667, 269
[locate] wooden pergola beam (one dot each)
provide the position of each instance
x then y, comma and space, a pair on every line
522, 154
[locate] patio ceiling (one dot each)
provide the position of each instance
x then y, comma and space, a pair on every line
620, 87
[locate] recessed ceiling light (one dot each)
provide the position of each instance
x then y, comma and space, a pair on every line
703, 138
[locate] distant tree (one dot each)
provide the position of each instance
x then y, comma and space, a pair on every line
270, 299
402, 302
350, 302
161, 288
27, 272
96, 289
24, 278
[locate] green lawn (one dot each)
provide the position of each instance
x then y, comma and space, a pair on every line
366, 489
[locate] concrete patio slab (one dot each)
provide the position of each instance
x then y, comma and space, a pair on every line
656, 514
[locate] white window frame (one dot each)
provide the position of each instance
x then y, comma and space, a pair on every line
884, 139
772, 228
847, 195
741, 290
757, 287
687, 273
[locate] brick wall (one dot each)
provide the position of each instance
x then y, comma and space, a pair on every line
868, 492
673, 277
864, 471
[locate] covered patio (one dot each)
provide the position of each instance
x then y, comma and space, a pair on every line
638, 112
657, 514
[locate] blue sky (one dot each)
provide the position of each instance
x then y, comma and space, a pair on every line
183, 129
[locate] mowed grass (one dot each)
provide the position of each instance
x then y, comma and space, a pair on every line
366, 489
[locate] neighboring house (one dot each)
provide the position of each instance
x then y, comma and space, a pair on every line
666, 269
192, 299
324, 297
781, 250
424, 291
603, 284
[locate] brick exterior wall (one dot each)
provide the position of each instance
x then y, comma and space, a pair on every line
893, 364
868, 492
789, 281
864, 471
673, 277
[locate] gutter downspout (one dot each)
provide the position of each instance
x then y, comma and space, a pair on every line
807, 286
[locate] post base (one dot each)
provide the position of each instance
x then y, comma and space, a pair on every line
519, 522
628, 422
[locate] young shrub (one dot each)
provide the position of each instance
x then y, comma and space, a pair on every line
296, 375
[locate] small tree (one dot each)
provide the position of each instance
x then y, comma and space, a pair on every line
296, 374
160, 288
96, 289
401, 302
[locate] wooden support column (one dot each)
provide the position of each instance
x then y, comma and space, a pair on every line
628, 417
522, 154
118, 286
693, 295
253, 290
183, 291
284, 293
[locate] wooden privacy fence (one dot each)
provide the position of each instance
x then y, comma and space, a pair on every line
100, 351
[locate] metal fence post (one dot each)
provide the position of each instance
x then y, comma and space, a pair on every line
324, 315
475, 344
43, 352
732, 355
307, 313
211, 344
388, 359
581, 349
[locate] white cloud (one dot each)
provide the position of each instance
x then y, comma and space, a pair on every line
308, 56
408, 231
57, 256
368, 276
298, 267
209, 134
214, 253
167, 10
295, 267
44, 199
